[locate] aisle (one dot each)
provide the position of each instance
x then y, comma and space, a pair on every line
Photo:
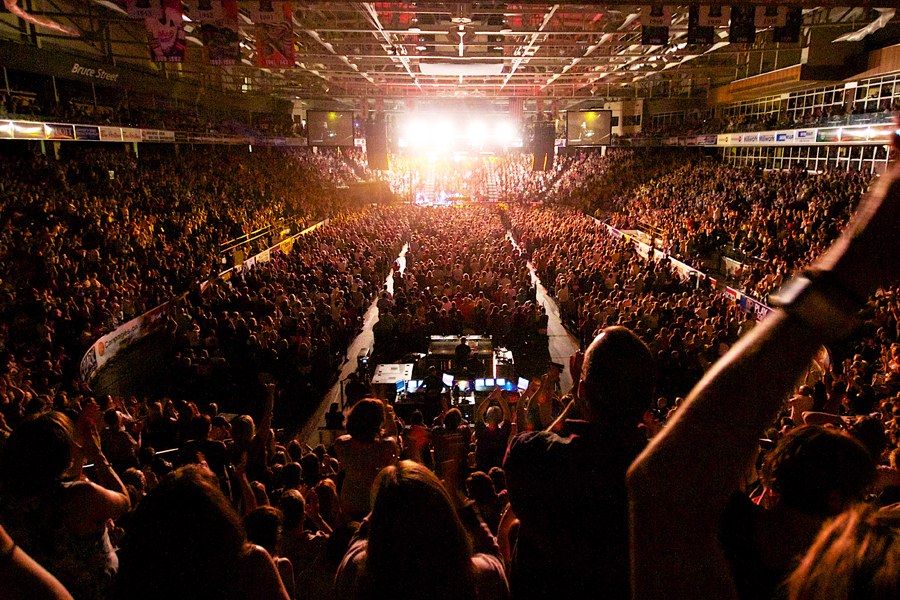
310, 431
563, 345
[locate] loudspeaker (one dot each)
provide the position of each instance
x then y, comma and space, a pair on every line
376, 144
544, 146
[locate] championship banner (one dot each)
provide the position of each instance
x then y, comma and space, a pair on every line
713, 16
789, 33
219, 32
166, 29
141, 9
655, 21
274, 34
770, 16
699, 34
743, 25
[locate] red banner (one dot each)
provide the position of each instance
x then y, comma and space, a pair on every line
274, 34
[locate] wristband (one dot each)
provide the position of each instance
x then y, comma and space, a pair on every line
820, 303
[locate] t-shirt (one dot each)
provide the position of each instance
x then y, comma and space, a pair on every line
569, 494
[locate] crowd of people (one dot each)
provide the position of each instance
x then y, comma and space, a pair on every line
463, 276
772, 223
100, 236
206, 493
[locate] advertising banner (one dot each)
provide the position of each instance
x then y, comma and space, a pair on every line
131, 135
110, 134
89, 133
805, 136
832, 134
23, 130
854, 134
59, 131
784, 136
166, 29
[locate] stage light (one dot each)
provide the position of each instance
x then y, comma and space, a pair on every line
477, 130
505, 132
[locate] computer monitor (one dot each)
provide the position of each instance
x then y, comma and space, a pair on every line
413, 385
489, 383
523, 384
501, 382
464, 385
447, 379
479, 385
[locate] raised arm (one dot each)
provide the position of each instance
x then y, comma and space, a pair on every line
679, 486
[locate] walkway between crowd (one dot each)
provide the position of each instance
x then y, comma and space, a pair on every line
364, 341
563, 345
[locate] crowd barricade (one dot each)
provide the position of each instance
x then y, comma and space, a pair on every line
108, 346
686, 271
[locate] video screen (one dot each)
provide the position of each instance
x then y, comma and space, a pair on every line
464, 385
523, 384
413, 385
401, 385
330, 128
588, 128
479, 385
447, 379
489, 384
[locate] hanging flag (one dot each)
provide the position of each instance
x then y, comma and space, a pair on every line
743, 26
699, 34
274, 33
789, 33
219, 31
166, 28
655, 21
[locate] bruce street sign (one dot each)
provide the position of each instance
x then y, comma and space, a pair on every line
95, 73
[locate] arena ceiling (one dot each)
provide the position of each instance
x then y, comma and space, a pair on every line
408, 52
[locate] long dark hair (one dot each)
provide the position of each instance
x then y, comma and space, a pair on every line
37, 455
418, 547
186, 541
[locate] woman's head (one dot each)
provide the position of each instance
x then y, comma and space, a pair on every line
416, 540
365, 419
186, 540
855, 557
38, 452
817, 470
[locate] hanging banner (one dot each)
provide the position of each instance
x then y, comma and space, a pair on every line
219, 32
789, 33
142, 9
699, 34
713, 16
743, 26
656, 15
166, 29
274, 34
770, 16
